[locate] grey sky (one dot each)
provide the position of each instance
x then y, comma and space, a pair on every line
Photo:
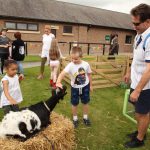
116, 5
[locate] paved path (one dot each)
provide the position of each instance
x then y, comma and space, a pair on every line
31, 64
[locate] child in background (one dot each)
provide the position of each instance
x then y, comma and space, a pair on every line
54, 56
11, 92
18, 51
81, 84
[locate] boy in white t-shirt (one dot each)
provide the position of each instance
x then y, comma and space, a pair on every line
11, 94
81, 84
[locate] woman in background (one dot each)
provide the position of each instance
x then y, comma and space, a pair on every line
4, 47
47, 39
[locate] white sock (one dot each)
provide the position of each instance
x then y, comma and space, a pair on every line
75, 118
85, 116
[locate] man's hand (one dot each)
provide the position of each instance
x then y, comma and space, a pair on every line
134, 96
127, 78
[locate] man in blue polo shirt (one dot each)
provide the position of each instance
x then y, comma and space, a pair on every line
140, 74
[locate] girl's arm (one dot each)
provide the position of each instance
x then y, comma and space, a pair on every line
90, 79
5, 87
60, 78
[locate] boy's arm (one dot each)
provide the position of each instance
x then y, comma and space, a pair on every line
5, 87
60, 78
90, 79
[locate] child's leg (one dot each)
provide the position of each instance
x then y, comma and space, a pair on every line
85, 111
20, 67
74, 113
85, 98
43, 61
74, 102
55, 73
51, 75
52, 70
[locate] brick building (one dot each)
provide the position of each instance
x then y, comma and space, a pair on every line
69, 22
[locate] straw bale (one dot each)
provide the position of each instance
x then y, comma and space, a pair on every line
57, 136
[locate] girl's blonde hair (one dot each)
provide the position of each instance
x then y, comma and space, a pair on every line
54, 53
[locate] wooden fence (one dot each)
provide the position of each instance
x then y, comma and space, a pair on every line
107, 71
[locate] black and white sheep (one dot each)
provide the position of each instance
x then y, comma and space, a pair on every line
30, 120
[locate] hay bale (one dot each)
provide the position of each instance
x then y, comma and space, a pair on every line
58, 136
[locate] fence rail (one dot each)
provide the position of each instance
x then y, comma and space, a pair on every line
106, 73
88, 46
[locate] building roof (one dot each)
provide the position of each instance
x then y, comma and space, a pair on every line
51, 10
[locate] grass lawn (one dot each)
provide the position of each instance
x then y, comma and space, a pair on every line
109, 126
32, 58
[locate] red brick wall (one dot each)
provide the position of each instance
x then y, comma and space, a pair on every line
80, 33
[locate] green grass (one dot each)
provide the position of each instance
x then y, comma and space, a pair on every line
32, 58
109, 126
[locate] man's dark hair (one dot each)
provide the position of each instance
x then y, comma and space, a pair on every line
8, 63
142, 10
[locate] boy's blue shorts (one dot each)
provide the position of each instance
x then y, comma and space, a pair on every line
84, 96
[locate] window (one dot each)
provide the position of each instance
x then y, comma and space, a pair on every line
67, 29
10, 25
21, 26
33, 27
128, 39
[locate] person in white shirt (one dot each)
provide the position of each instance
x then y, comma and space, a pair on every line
140, 74
47, 40
81, 84
11, 94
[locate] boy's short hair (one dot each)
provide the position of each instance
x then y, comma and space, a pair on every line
77, 50
8, 63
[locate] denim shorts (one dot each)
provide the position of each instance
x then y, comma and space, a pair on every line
142, 106
82, 93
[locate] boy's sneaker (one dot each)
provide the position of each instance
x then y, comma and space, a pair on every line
87, 122
134, 135
75, 123
134, 143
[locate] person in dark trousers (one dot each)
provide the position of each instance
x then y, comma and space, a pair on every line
18, 51
140, 75
4, 47
114, 46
